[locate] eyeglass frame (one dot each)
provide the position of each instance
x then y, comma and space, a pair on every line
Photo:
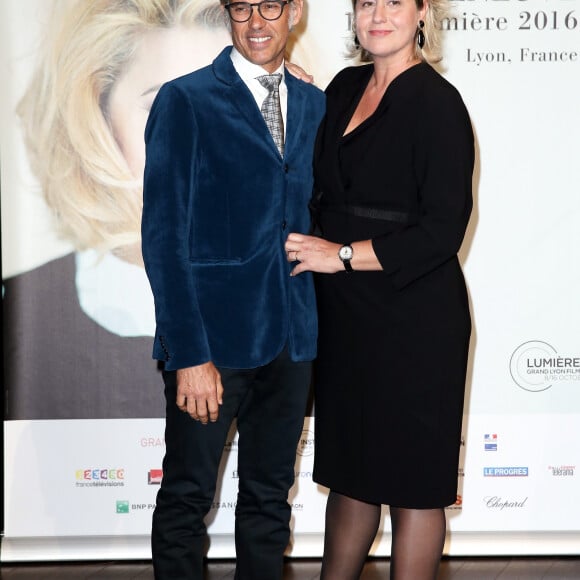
282, 4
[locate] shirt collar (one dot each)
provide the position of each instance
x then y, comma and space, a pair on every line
249, 71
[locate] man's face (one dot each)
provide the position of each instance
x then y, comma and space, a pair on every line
263, 42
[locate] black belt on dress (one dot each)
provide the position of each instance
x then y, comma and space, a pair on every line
375, 213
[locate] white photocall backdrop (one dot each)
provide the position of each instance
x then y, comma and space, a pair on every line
83, 489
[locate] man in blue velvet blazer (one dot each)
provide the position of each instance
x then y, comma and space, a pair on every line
236, 333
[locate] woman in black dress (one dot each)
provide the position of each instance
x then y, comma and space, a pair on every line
393, 170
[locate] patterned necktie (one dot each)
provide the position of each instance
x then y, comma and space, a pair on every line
271, 108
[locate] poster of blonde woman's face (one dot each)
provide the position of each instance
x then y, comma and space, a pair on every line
162, 54
154, 54
59, 55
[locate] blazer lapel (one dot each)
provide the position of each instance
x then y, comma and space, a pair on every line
238, 94
295, 114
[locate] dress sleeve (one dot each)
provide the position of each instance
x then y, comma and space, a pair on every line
443, 158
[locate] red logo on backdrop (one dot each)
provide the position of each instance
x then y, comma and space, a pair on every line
457, 505
154, 476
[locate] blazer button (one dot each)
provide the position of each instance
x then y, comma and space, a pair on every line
284, 225
286, 168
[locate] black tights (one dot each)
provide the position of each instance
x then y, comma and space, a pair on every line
351, 527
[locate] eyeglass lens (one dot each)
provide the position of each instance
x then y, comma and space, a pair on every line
268, 10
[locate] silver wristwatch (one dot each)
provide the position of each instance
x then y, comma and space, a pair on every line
345, 254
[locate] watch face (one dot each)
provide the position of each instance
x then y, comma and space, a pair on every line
345, 253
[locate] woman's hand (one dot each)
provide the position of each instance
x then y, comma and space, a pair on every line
312, 254
299, 72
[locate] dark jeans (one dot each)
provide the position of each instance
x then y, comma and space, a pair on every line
269, 403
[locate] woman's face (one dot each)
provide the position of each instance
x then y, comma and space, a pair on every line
387, 28
163, 54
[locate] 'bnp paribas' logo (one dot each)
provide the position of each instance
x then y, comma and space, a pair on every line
536, 366
122, 506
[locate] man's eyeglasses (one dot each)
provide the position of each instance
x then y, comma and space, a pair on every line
268, 9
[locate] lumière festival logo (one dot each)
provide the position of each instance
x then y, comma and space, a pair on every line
536, 366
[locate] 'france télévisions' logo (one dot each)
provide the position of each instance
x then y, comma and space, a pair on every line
536, 365
100, 477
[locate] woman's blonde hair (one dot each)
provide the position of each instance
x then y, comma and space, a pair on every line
83, 174
431, 51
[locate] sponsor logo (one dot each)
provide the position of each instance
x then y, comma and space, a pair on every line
536, 365
490, 442
223, 505
152, 442
461, 472
457, 505
303, 474
562, 470
298, 507
122, 506
306, 444
505, 472
496, 502
100, 477
231, 445
142, 507
154, 476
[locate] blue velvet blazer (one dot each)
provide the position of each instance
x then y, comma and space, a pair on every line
219, 202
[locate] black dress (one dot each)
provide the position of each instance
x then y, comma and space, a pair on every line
393, 346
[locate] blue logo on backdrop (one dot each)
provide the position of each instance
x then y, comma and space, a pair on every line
490, 441
505, 472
